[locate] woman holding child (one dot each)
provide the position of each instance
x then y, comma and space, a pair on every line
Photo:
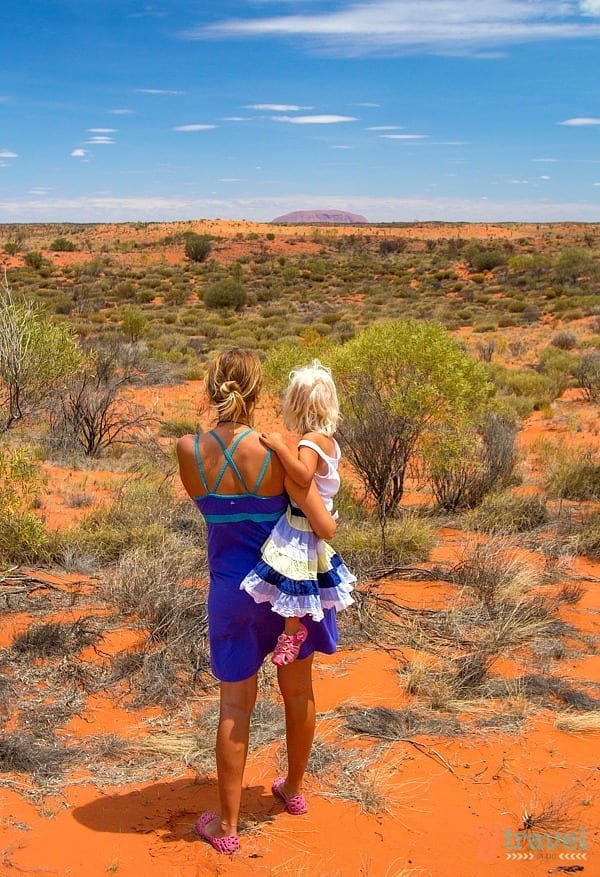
241, 488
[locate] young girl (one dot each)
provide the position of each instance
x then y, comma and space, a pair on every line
300, 574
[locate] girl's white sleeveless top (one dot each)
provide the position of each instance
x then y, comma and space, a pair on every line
328, 484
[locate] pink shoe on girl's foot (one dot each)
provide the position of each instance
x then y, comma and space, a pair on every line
288, 646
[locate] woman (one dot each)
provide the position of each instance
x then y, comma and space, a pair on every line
240, 488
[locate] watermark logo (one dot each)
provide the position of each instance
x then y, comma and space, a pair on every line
526, 845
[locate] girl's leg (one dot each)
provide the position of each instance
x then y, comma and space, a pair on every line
292, 626
237, 703
295, 684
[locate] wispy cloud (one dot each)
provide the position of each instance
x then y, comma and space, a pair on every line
38, 191
6, 153
158, 91
581, 122
277, 108
121, 112
194, 127
236, 119
102, 130
404, 136
79, 153
384, 128
100, 141
314, 120
438, 26
546, 160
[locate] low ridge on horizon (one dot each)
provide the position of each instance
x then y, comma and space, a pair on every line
310, 217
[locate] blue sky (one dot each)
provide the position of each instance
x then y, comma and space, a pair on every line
114, 110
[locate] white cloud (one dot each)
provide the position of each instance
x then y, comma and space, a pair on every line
122, 112
581, 122
229, 180
113, 209
6, 153
313, 120
548, 160
403, 136
38, 191
544, 177
341, 147
590, 7
368, 104
384, 128
236, 119
438, 26
79, 153
102, 130
100, 141
194, 127
158, 91
277, 108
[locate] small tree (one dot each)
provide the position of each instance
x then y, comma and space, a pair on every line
197, 247
22, 534
36, 356
397, 383
133, 323
62, 245
587, 374
93, 413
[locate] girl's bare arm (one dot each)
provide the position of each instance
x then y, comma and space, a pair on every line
300, 466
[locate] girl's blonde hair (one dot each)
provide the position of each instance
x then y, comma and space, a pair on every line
233, 383
310, 402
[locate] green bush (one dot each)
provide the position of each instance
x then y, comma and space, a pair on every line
225, 294
572, 477
23, 537
407, 539
197, 247
34, 259
588, 541
62, 245
587, 375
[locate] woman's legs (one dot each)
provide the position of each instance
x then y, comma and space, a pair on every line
295, 683
237, 703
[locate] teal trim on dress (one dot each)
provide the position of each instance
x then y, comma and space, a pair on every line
242, 516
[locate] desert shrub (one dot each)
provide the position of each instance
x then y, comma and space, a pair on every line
134, 323
558, 365
142, 515
573, 264
407, 539
23, 536
197, 247
484, 259
587, 375
574, 477
508, 513
225, 294
397, 382
34, 259
588, 540
62, 245
465, 463
55, 639
564, 340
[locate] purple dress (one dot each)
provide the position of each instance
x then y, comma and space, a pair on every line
242, 632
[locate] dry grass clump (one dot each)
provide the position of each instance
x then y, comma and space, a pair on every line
588, 540
585, 723
507, 513
24, 753
553, 814
575, 477
551, 691
407, 539
55, 639
390, 724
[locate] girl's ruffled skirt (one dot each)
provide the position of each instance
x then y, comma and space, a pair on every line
299, 574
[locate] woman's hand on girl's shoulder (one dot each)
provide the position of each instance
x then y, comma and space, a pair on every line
272, 440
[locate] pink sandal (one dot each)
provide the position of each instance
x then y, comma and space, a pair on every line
229, 844
288, 646
296, 805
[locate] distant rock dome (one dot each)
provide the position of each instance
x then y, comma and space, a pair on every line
313, 217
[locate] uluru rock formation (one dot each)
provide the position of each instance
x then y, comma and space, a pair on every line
312, 217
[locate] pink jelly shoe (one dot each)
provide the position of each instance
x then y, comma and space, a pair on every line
229, 844
288, 646
296, 805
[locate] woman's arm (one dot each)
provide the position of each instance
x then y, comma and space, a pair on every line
309, 500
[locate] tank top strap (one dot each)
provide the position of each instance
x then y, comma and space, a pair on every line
229, 462
262, 472
306, 443
199, 464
